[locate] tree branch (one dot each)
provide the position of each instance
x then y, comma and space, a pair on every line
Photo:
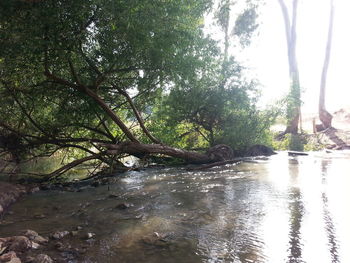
138, 116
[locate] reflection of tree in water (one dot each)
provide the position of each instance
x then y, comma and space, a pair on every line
296, 208
329, 225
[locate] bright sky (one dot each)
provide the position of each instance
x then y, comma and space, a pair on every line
267, 56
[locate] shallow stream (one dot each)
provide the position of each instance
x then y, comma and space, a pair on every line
282, 209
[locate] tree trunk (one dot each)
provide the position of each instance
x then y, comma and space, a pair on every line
324, 115
217, 153
291, 36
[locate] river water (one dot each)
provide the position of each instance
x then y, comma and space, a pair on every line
281, 209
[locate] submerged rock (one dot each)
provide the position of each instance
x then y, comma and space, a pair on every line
60, 234
89, 235
156, 239
123, 206
18, 243
34, 236
42, 258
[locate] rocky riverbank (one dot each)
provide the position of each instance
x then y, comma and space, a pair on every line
17, 249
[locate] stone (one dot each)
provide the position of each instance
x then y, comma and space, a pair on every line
60, 234
29, 259
156, 239
39, 216
14, 260
19, 243
123, 206
34, 236
42, 258
89, 235
7, 256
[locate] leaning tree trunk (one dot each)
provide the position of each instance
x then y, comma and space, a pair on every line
324, 115
291, 36
217, 153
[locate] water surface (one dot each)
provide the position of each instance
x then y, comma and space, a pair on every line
282, 209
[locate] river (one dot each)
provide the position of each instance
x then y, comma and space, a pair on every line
278, 209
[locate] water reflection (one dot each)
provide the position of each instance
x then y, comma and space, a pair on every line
296, 210
328, 219
280, 210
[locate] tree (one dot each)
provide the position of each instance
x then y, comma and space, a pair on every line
324, 115
294, 102
218, 106
78, 75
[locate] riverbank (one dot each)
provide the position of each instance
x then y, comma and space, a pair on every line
10, 193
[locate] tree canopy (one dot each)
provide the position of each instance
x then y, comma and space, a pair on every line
79, 75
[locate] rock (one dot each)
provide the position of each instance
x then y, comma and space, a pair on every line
34, 236
59, 246
113, 196
123, 206
29, 259
79, 228
156, 239
42, 258
259, 150
18, 243
8, 256
89, 235
74, 233
60, 234
34, 189
39, 216
14, 260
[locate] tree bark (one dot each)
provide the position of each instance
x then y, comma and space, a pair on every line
324, 115
291, 36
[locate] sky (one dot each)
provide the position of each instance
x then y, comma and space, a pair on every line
267, 55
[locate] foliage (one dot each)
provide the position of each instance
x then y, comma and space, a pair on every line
218, 104
79, 74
